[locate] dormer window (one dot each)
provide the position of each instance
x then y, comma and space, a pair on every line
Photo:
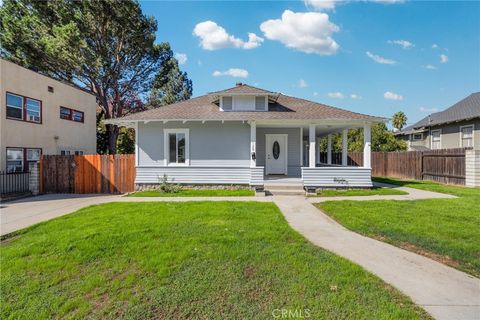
244, 103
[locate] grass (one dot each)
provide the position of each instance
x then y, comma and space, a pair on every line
443, 229
196, 193
360, 192
204, 260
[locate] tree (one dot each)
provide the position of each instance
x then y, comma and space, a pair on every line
105, 46
382, 140
170, 85
399, 120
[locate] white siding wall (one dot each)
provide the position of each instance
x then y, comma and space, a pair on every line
472, 168
337, 177
212, 144
293, 158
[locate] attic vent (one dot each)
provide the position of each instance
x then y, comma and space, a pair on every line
259, 103
227, 103
50, 89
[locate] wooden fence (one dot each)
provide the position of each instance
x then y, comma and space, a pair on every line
444, 166
87, 174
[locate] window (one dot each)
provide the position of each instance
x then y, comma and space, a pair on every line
417, 136
23, 108
20, 159
466, 136
71, 114
227, 103
176, 146
260, 103
71, 152
14, 106
14, 159
436, 139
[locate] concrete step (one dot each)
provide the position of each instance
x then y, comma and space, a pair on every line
285, 192
286, 186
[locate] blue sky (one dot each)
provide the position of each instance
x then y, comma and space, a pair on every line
375, 57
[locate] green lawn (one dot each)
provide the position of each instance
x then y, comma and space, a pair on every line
446, 230
222, 260
360, 192
196, 193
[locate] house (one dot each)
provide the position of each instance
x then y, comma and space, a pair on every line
455, 127
41, 115
245, 135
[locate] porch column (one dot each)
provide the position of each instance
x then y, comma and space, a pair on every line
253, 144
367, 146
317, 149
329, 149
345, 147
311, 151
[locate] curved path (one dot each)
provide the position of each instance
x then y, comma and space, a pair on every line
444, 292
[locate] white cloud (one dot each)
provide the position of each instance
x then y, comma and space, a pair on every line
315, 94
430, 66
302, 83
181, 57
379, 59
336, 95
309, 32
428, 110
434, 46
405, 44
392, 96
232, 72
355, 96
443, 58
320, 4
213, 37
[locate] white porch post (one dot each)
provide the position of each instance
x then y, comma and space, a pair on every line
317, 149
253, 143
367, 146
329, 149
311, 151
345, 147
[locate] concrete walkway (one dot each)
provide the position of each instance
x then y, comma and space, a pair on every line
446, 293
22, 213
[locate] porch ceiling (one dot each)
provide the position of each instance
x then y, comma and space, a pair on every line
320, 129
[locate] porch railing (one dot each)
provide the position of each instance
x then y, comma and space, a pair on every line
14, 182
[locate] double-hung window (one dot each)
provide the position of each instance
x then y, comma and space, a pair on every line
23, 108
176, 146
71, 114
466, 136
436, 139
20, 159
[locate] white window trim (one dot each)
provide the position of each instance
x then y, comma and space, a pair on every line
431, 138
413, 136
461, 134
166, 151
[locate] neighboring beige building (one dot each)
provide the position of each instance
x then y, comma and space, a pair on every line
455, 127
41, 115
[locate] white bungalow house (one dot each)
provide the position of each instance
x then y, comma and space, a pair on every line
246, 136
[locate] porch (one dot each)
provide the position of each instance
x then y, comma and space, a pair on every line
290, 154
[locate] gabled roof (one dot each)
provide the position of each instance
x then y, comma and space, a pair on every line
465, 109
282, 108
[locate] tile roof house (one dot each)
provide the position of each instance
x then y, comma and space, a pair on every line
455, 127
245, 135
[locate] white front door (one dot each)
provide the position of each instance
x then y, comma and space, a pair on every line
276, 153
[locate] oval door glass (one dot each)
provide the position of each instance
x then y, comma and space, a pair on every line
276, 150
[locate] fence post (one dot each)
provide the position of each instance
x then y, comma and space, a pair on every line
34, 179
472, 168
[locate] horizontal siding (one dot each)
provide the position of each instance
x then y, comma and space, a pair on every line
201, 175
337, 177
472, 168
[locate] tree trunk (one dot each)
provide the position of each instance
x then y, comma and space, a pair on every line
112, 132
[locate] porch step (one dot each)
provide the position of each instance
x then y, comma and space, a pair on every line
284, 189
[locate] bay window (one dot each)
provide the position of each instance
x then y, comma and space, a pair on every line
176, 146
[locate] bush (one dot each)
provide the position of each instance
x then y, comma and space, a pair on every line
168, 187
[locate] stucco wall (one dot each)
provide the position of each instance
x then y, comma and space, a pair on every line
293, 141
211, 143
71, 135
